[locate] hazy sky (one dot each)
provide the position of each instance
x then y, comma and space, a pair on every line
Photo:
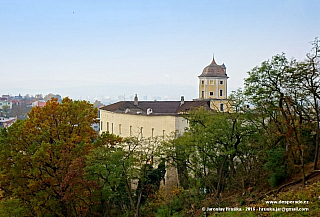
107, 48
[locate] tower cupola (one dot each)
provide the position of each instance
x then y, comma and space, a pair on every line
213, 81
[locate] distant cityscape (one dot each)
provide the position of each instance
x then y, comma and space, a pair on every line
110, 93
14, 107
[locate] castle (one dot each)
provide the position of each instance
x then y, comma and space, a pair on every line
148, 119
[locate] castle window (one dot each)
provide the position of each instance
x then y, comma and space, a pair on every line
202, 81
152, 132
119, 128
108, 126
221, 92
211, 81
211, 93
101, 125
221, 82
130, 132
221, 107
141, 131
202, 94
111, 127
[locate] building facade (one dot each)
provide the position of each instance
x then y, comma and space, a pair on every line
147, 119
4, 103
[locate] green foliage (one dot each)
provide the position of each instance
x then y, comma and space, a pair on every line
175, 207
214, 147
149, 180
275, 166
167, 211
11, 207
105, 165
124, 171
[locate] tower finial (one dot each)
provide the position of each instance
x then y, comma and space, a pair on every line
213, 61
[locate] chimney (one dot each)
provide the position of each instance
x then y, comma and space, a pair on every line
182, 100
135, 100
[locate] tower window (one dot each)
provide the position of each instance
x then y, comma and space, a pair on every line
221, 82
211, 93
202, 82
202, 94
221, 92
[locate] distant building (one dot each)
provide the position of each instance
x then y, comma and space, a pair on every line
7, 122
15, 102
96, 127
51, 95
19, 97
5, 102
40, 103
5, 97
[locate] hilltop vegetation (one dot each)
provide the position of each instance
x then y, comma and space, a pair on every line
54, 164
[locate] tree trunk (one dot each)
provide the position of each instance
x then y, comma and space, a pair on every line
136, 214
302, 169
128, 188
220, 177
316, 155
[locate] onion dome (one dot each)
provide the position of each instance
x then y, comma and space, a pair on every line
214, 70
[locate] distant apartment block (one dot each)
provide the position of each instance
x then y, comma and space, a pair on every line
5, 102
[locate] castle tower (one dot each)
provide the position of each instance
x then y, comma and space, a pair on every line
213, 82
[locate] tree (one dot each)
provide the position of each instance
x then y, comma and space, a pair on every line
38, 154
18, 110
123, 168
215, 147
275, 90
307, 79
